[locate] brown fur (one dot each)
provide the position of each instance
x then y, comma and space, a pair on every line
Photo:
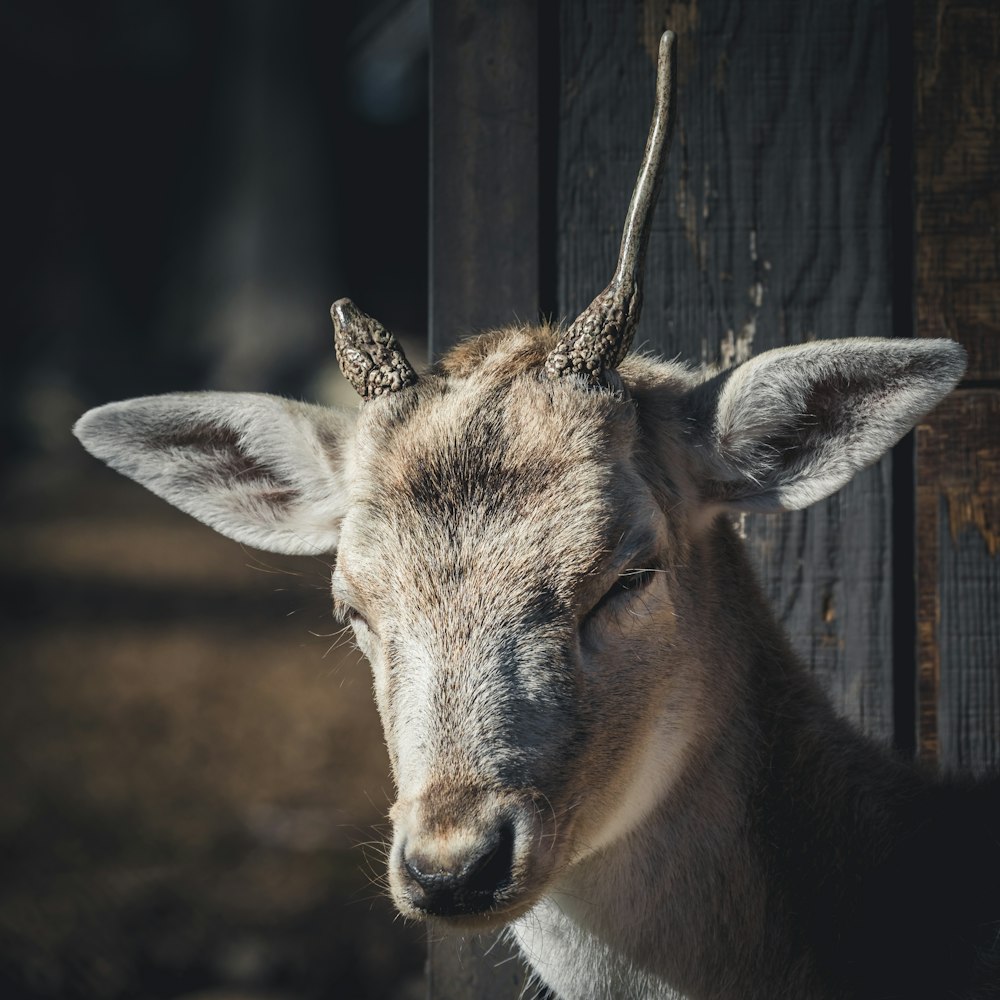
581, 686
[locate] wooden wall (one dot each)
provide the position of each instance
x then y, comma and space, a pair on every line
834, 173
957, 226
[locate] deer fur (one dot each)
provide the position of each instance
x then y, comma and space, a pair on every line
568, 644
598, 733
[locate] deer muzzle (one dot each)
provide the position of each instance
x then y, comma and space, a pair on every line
469, 854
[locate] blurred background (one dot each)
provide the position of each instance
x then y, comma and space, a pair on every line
192, 775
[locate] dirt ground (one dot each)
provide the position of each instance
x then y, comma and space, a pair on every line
192, 774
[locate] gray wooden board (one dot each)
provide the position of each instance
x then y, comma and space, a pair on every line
484, 167
475, 967
969, 704
772, 229
958, 534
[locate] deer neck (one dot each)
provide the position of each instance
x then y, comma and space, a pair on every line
686, 904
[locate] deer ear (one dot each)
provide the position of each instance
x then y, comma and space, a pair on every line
264, 471
793, 425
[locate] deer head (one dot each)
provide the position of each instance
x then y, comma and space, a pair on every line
528, 546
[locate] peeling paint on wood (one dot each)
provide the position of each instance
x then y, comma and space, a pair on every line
976, 504
681, 17
733, 349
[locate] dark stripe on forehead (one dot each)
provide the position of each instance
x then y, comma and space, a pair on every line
480, 465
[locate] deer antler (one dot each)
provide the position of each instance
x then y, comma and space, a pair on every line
599, 338
368, 354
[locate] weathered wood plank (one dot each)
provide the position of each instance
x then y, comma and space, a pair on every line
958, 581
484, 261
957, 191
483, 966
773, 228
957, 201
484, 167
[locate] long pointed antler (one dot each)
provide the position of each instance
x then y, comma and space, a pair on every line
369, 355
599, 338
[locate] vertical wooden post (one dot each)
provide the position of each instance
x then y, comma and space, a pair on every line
484, 259
484, 253
957, 48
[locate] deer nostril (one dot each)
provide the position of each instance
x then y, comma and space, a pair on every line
491, 871
470, 887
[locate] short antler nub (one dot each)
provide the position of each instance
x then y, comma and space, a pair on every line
599, 338
369, 355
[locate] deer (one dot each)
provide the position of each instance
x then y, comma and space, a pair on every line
599, 735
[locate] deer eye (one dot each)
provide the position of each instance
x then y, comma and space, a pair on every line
349, 614
355, 617
631, 581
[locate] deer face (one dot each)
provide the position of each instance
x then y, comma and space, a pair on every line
521, 560
500, 555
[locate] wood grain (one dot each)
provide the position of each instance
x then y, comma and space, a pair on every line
773, 228
484, 167
482, 966
957, 202
958, 177
958, 582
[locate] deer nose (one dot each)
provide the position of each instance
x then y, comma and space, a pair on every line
466, 885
